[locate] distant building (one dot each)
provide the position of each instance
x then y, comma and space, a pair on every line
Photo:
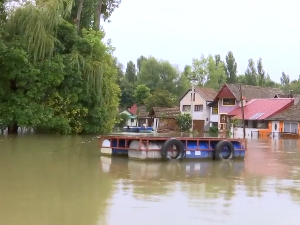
228, 99
131, 113
201, 112
256, 115
164, 119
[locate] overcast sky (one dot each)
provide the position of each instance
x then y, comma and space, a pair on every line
179, 30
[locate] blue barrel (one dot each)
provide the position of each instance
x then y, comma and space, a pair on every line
198, 152
115, 150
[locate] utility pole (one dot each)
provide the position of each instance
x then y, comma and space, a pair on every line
192, 103
242, 108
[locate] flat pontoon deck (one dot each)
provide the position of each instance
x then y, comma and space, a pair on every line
149, 147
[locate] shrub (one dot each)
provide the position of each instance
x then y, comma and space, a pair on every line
121, 120
213, 130
184, 122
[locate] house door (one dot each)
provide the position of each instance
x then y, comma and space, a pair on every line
198, 125
275, 128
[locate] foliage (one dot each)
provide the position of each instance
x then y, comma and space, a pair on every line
161, 98
127, 96
160, 75
261, 77
231, 68
235, 122
55, 77
216, 73
121, 119
200, 70
139, 61
251, 73
130, 73
213, 130
141, 93
184, 122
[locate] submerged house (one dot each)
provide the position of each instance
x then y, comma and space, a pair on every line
257, 114
228, 99
164, 119
287, 121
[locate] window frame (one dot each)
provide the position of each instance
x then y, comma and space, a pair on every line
186, 106
229, 104
199, 108
215, 109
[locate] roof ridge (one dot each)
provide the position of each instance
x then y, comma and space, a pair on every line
231, 90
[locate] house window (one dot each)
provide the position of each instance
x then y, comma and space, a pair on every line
198, 108
132, 120
214, 124
193, 98
215, 110
186, 108
223, 118
228, 101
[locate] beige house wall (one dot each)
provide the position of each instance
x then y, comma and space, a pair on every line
199, 100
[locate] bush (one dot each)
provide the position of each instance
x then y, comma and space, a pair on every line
184, 122
121, 120
213, 130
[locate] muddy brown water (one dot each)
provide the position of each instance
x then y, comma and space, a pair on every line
58, 180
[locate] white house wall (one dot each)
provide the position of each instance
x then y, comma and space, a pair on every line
213, 117
130, 123
199, 100
249, 132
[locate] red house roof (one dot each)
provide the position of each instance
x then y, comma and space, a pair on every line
133, 109
260, 109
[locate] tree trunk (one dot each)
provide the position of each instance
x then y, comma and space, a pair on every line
98, 15
78, 17
13, 128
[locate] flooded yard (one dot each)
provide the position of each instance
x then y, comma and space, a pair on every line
63, 180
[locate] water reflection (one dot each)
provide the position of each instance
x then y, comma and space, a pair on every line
47, 180
40, 187
265, 184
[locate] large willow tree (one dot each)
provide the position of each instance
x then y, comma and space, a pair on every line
59, 74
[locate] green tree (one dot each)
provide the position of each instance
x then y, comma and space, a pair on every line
140, 60
269, 82
159, 74
218, 60
294, 86
261, 78
184, 121
285, 79
231, 68
130, 73
120, 73
199, 70
122, 119
127, 94
187, 72
251, 73
161, 98
55, 76
216, 73
242, 79
141, 93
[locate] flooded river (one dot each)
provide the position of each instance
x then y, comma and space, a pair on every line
55, 180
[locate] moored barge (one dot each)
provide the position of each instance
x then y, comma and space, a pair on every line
164, 148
